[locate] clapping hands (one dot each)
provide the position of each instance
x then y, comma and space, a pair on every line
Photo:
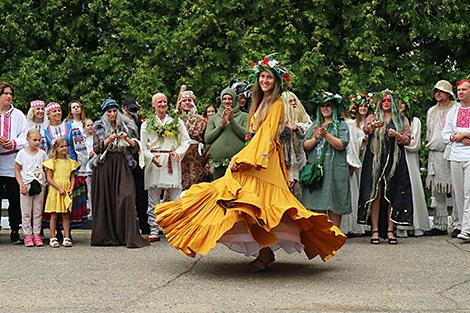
319, 132
227, 116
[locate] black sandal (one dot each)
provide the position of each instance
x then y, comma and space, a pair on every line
391, 240
262, 265
259, 265
375, 241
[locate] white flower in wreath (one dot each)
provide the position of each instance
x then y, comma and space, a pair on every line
272, 63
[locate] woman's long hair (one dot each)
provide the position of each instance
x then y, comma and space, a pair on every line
258, 99
359, 119
396, 118
123, 123
82, 114
380, 133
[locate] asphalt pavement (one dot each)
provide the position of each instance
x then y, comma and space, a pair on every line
427, 274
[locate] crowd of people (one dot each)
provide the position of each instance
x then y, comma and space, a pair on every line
257, 171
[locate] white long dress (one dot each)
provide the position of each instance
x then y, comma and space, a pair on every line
420, 210
354, 158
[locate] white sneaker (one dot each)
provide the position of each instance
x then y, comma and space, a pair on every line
464, 236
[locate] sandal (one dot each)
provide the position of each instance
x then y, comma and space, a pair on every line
54, 243
260, 265
375, 241
67, 242
391, 240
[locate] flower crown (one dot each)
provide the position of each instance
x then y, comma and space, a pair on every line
272, 65
382, 94
360, 98
327, 96
315, 103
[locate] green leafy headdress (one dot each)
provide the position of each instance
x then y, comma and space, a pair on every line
408, 97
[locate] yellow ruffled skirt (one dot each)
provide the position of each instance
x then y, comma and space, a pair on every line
246, 213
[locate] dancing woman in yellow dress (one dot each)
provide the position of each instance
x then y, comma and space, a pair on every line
251, 209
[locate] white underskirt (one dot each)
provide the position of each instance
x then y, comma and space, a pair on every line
240, 240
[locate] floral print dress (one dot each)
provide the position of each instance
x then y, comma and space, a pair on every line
192, 166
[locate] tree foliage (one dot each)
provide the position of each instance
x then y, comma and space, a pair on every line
89, 50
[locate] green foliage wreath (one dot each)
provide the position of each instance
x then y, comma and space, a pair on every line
170, 130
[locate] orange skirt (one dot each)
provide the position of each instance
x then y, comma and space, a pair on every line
246, 213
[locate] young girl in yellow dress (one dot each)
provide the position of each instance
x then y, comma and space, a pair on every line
251, 209
59, 173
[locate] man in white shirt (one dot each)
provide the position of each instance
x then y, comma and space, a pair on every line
457, 131
439, 179
164, 140
13, 129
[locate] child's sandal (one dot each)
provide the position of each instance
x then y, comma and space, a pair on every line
67, 242
54, 243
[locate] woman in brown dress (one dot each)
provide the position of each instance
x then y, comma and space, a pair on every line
113, 190
192, 166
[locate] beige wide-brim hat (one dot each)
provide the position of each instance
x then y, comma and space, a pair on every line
444, 85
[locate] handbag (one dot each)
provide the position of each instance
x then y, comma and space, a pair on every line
311, 175
34, 188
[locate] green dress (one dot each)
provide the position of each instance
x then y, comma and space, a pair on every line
226, 141
334, 194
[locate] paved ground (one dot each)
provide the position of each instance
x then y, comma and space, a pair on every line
417, 275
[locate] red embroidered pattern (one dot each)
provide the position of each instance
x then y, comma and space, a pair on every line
3, 130
6, 124
463, 118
